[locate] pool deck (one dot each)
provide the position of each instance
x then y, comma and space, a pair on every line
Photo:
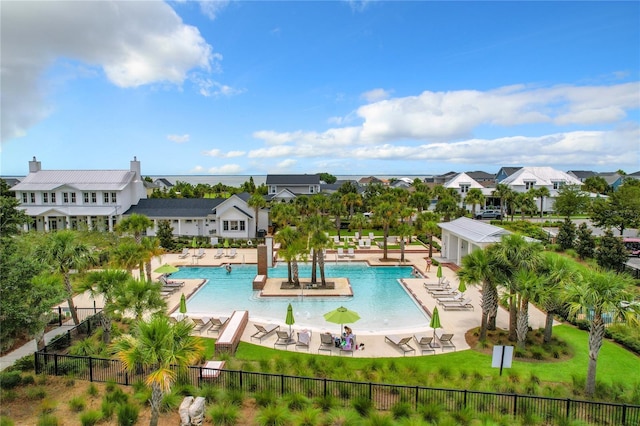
456, 322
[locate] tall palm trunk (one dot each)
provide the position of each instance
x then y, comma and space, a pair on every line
321, 266
289, 272
596, 335
147, 267
402, 250
384, 243
105, 322
156, 400
492, 293
295, 272
72, 306
430, 245
488, 301
522, 322
513, 314
314, 266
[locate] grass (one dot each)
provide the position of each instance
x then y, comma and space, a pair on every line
615, 364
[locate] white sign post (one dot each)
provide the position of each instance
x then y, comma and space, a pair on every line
502, 357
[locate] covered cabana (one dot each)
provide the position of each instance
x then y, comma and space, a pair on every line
463, 235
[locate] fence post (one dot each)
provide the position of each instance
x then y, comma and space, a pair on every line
370, 390
126, 377
416, 401
68, 338
324, 390
91, 369
624, 414
36, 363
282, 384
465, 399
55, 364
95, 311
59, 316
241, 379
568, 411
515, 404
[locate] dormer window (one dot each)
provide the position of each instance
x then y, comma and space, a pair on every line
557, 184
464, 188
273, 189
529, 184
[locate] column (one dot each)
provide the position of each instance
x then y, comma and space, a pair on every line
89, 224
46, 223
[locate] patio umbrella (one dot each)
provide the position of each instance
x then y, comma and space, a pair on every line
462, 287
439, 273
435, 321
341, 316
183, 305
289, 319
166, 269
194, 245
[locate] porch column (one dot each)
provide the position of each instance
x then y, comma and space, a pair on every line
67, 222
89, 224
46, 223
110, 220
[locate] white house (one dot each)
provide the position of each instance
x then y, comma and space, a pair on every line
463, 235
72, 199
462, 183
528, 178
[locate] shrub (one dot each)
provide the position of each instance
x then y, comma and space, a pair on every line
265, 398
28, 380
47, 406
8, 395
308, 417
326, 403
117, 396
107, 408
10, 380
401, 409
77, 404
343, 417
6, 421
26, 363
297, 402
90, 418
273, 415
36, 393
127, 414
363, 405
48, 420
430, 413
379, 419
224, 414
92, 390
210, 394
170, 402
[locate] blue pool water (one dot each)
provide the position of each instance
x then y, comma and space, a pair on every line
378, 297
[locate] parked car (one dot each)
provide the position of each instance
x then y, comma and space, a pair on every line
489, 214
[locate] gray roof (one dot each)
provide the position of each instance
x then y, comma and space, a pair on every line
175, 207
474, 230
582, 174
293, 179
479, 175
83, 180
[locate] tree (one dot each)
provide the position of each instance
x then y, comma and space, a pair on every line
315, 227
359, 221
135, 224
165, 235
448, 204
503, 192
386, 214
150, 249
477, 268
596, 294
348, 187
621, 210
283, 214
163, 348
527, 283
140, 297
566, 234
542, 192
63, 252
351, 199
611, 254
11, 218
596, 184
110, 284
427, 222
128, 255
585, 242
328, 178
257, 202
403, 230
571, 200
337, 209
291, 246
474, 197
248, 186
421, 200
45, 290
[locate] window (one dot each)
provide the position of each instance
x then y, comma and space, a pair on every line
311, 189
86, 197
53, 197
105, 198
464, 188
45, 197
242, 225
32, 196
114, 198
73, 198
65, 198
557, 184
529, 184
233, 225
24, 198
94, 197
273, 189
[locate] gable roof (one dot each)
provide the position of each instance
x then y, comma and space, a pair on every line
293, 179
479, 175
175, 207
164, 182
462, 179
543, 176
474, 230
83, 180
582, 174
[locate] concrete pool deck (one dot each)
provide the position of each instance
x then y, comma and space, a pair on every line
455, 322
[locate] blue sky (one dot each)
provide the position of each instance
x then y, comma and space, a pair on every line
367, 87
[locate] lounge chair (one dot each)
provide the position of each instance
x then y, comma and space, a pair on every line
184, 254
284, 339
349, 345
435, 286
461, 305
326, 343
445, 342
304, 339
211, 369
199, 324
170, 283
215, 324
168, 291
341, 252
336, 240
201, 253
371, 236
219, 253
264, 331
401, 343
351, 252
232, 253
424, 342
447, 297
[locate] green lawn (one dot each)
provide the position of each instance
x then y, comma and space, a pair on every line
615, 364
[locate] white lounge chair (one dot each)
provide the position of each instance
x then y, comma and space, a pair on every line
185, 253
341, 252
219, 253
461, 305
351, 252
304, 339
201, 253
232, 253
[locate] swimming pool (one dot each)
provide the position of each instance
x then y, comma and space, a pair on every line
378, 297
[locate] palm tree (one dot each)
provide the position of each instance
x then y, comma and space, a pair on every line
150, 249
528, 284
140, 297
421, 200
448, 204
474, 197
359, 221
599, 293
63, 252
403, 230
477, 268
129, 255
351, 199
337, 209
291, 246
542, 192
135, 224
427, 222
315, 227
258, 202
502, 192
44, 291
109, 283
386, 213
283, 214
164, 348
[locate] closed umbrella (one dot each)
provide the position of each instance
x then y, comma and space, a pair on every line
183, 305
439, 274
289, 320
435, 321
194, 245
462, 287
341, 316
166, 269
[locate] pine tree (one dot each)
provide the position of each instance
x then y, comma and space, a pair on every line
585, 242
566, 234
611, 254
165, 235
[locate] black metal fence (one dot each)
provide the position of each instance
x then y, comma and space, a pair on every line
383, 396
85, 328
61, 315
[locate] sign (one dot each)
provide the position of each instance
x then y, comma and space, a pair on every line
502, 357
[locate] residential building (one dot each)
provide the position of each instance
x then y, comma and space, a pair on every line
78, 199
287, 187
505, 172
528, 178
462, 183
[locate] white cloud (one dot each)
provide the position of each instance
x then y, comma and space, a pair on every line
286, 164
208, 87
197, 170
219, 154
232, 154
376, 95
227, 169
178, 138
211, 8
134, 43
